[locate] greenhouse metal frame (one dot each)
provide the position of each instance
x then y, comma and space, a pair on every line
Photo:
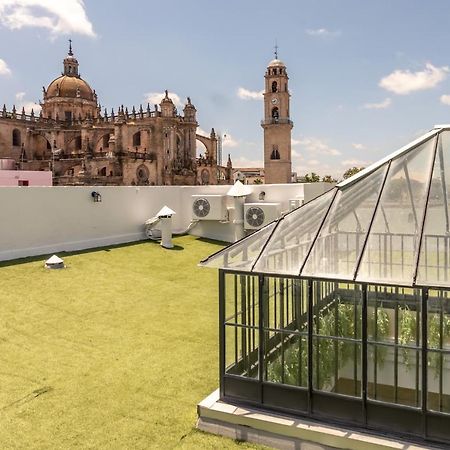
331, 311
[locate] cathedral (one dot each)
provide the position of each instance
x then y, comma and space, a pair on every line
82, 145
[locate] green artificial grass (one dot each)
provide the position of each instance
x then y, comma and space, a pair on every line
115, 351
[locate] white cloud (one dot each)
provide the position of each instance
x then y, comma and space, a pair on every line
358, 146
355, 163
202, 132
404, 82
381, 105
445, 99
59, 17
245, 94
317, 146
22, 102
242, 161
323, 33
154, 98
229, 141
4, 69
296, 141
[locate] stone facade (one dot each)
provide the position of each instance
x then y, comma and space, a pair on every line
277, 125
83, 146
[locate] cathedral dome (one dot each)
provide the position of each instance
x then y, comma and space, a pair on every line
70, 86
276, 63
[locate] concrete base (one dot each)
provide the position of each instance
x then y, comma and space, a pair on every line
285, 432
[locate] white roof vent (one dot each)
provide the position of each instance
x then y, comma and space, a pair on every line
239, 190
55, 262
165, 211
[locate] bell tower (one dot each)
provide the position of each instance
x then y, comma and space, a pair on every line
277, 124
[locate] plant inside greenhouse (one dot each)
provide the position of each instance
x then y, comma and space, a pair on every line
340, 309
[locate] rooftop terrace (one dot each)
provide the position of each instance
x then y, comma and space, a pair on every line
115, 351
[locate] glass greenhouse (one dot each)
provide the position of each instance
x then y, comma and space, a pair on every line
340, 309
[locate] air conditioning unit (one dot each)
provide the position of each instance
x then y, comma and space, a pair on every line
209, 207
256, 215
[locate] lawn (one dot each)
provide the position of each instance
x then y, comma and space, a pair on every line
114, 351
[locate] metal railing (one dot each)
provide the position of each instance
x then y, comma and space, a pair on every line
273, 121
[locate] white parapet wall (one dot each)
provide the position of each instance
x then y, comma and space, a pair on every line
43, 220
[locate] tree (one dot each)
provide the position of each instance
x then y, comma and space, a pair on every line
310, 178
352, 171
328, 179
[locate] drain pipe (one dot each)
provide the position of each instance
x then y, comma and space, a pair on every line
189, 228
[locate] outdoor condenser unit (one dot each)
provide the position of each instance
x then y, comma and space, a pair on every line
209, 207
256, 215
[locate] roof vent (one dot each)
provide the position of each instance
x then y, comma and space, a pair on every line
55, 262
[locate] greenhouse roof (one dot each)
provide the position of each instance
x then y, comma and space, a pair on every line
387, 224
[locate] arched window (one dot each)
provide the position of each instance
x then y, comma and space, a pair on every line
16, 138
275, 153
275, 113
78, 143
274, 86
49, 146
137, 139
102, 172
106, 141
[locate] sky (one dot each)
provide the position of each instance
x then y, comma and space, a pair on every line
366, 77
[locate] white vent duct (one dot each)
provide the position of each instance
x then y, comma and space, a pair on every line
239, 191
165, 225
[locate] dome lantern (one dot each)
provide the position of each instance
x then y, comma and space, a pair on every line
70, 63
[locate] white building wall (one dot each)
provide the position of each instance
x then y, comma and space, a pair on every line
42, 220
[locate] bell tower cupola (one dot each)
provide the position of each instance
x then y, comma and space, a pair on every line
277, 124
70, 63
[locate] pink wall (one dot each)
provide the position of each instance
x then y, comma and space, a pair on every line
34, 177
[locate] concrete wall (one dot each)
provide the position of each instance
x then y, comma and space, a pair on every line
42, 220
34, 177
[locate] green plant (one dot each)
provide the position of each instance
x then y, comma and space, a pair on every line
295, 357
380, 324
408, 333
434, 339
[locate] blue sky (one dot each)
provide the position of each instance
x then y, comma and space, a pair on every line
365, 77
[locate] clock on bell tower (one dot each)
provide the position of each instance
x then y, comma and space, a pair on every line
277, 125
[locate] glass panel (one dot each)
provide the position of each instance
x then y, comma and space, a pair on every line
434, 262
289, 245
337, 337
286, 359
241, 299
439, 381
390, 379
340, 241
391, 248
337, 309
286, 307
242, 254
337, 366
241, 351
394, 344
439, 319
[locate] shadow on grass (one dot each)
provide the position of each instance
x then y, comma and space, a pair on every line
45, 256
212, 241
107, 248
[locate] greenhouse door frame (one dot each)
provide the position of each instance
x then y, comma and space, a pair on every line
359, 412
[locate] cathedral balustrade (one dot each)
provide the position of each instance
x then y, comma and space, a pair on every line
24, 117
